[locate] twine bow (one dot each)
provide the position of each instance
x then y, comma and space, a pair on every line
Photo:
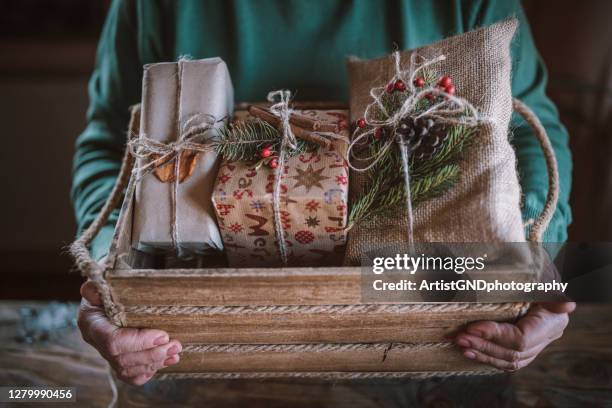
153, 153
288, 142
449, 109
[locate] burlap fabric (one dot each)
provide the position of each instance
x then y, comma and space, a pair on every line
484, 206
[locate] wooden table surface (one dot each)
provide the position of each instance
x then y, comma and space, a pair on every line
575, 371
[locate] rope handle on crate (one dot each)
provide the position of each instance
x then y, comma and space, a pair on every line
95, 271
79, 249
541, 222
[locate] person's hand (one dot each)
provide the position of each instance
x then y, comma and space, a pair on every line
134, 354
513, 346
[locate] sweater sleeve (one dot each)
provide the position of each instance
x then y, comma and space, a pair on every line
529, 85
113, 87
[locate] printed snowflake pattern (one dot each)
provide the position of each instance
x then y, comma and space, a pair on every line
313, 206
224, 209
224, 178
312, 222
341, 180
257, 206
236, 228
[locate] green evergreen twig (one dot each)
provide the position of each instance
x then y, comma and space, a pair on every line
244, 140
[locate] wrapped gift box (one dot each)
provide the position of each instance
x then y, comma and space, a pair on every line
313, 203
173, 93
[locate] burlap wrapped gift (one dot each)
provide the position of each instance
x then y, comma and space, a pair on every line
484, 206
177, 97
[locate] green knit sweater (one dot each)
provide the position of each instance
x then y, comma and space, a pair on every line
300, 45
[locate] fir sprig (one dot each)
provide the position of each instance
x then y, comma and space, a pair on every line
244, 140
385, 191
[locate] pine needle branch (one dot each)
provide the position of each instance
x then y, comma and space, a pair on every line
244, 140
380, 199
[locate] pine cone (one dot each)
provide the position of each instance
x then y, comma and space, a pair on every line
424, 137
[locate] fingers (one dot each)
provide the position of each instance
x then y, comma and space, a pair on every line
157, 354
501, 357
504, 334
128, 340
487, 347
89, 292
138, 368
135, 354
496, 362
146, 369
512, 346
559, 307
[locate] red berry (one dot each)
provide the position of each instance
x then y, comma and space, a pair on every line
390, 87
419, 82
450, 89
378, 133
400, 85
265, 152
273, 163
429, 96
361, 123
445, 81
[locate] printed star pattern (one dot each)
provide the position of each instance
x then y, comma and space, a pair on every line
312, 222
309, 178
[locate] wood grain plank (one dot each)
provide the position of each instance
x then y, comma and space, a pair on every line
291, 327
251, 286
418, 359
237, 290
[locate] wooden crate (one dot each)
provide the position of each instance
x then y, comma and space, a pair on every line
284, 322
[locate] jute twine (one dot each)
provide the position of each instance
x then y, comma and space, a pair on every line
289, 142
326, 375
96, 272
313, 347
404, 308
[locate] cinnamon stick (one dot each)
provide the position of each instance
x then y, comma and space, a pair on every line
310, 124
298, 131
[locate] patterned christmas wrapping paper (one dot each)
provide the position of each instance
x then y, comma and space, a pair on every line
313, 204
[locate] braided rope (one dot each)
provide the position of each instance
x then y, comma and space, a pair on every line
331, 375
79, 249
312, 347
541, 223
324, 309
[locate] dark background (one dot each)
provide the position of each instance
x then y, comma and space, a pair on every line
47, 50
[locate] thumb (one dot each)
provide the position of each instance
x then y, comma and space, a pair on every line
559, 307
90, 293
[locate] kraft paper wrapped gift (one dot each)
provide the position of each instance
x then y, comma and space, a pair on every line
313, 204
174, 94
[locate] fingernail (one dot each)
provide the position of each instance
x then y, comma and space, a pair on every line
172, 350
463, 343
171, 360
163, 339
469, 354
476, 333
